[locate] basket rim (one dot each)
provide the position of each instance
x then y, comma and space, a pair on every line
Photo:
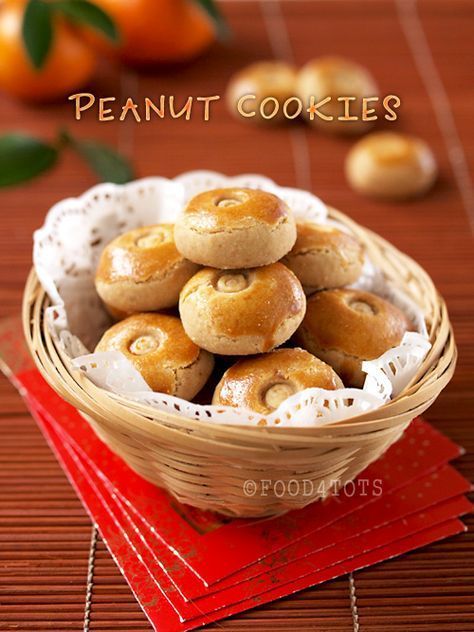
434, 373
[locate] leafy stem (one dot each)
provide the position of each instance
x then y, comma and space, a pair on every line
212, 10
38, 23
38, 31
23, 157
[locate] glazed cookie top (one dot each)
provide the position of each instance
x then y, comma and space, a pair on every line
389, 149
225, 210
269, 78
156, 344
318, 237
263, 382
139, 255
339, 76
246, 302
360, 324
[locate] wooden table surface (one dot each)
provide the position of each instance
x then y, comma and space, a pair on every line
422, 52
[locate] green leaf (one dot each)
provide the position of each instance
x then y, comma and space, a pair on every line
23, 157
109, 165
37, 31
85, 12
212, 10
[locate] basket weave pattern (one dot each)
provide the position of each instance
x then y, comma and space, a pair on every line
206, 465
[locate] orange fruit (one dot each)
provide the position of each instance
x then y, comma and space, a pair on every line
70, 62
159, 31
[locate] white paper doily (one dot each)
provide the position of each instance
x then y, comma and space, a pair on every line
66, 253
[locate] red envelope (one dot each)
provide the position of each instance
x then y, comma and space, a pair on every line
437, 486
332, 544
353, 536
221, 547
154, 600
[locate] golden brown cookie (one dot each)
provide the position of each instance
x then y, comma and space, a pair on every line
263, 382
324, 257
391, 165
274, 81
235, 228
242, 312
142, 271
345, 327
337, 77
162, 353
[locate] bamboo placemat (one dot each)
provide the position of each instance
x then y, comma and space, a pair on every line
423, 52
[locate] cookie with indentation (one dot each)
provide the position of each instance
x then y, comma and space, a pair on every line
345, 327
142, 271
324, 257
391, 166
263, 382
235, 228
160, 350
242, 312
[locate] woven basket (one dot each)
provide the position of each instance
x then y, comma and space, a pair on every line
208, 465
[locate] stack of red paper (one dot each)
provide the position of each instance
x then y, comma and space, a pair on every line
188, 567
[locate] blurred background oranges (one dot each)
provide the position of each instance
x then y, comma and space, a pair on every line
69, 64
149, 32
159, 31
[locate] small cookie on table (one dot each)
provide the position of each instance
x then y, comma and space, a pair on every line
242, 312
142, 271
235, 228
160, 350
324, 257
344, 327
337, 77
263, 382
391, 166
273, 80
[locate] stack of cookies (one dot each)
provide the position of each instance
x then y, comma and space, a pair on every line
240, 269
